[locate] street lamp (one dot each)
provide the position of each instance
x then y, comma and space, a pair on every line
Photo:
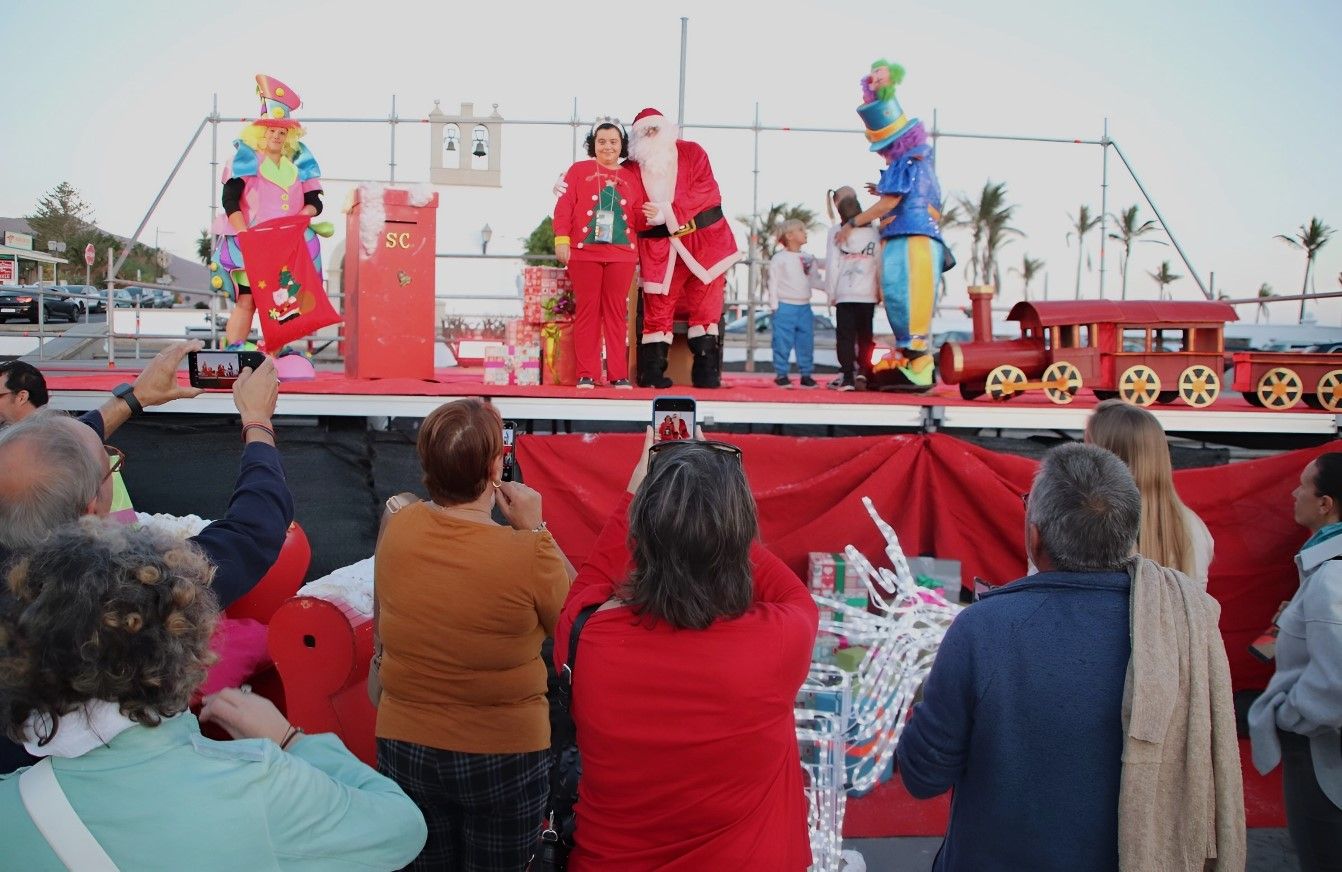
486, 234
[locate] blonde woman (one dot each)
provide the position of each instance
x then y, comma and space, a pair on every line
1171, 534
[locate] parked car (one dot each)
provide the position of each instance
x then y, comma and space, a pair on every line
91, 298
21, 302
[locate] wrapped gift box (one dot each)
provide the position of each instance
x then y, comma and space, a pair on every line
559, 363
512, 365
519, 331
827, 577
547, 295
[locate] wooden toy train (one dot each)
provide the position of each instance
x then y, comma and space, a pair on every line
1143, 351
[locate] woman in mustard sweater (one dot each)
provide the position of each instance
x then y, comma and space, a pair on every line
462, 606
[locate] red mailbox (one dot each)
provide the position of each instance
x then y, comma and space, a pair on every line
390, 315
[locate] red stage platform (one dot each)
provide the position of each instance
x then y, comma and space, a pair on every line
745, 398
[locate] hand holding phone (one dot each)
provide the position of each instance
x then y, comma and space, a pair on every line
256, 391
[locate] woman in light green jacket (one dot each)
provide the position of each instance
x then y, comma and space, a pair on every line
102, 642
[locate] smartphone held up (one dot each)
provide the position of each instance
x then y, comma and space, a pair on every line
220, 369
673, 418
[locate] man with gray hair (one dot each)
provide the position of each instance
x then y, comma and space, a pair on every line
1031, 708
55, 468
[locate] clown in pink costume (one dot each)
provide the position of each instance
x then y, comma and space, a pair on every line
271, 175
685, 252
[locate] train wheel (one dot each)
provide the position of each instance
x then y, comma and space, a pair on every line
1199, 386
1139, 385
1279, 389
970, 392
1329, 391
1002, 383
1061, 382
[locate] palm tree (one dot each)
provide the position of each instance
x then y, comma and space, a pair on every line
1082, 224
987, 220
1264, 294
1164, 277
1029, 268
1308, 239
205, 246
1130, 232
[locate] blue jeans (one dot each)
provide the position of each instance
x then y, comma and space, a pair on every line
794, 327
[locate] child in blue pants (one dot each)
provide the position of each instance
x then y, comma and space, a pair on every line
792, 276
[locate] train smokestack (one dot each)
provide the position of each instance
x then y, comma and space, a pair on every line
981, 303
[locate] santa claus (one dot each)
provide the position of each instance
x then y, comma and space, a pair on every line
684, 253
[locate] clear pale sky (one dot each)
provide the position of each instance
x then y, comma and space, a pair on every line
1228, 110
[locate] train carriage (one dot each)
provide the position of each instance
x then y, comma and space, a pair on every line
1279, 380
1142, 351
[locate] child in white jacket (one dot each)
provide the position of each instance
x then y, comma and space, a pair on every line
792, 275
852, 283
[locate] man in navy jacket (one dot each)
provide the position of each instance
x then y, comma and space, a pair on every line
49, 455
1021, 714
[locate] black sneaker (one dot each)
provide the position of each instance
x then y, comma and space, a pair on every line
622, 383
783, 381
808, 382
845, 387
586, 384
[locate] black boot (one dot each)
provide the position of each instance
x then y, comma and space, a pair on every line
706, 371
652, 365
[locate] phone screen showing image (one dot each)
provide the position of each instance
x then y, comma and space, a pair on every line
673, 418
509, 435
220, 369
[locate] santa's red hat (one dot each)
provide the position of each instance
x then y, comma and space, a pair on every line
649, 113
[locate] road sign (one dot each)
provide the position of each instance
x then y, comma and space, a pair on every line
89, 254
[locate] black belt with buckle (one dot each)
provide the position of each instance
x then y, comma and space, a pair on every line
711, 215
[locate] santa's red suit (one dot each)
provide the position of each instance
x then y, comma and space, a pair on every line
685, 253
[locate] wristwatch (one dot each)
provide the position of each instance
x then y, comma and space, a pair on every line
126, 392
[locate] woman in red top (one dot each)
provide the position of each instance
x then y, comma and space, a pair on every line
686, 677
598, 209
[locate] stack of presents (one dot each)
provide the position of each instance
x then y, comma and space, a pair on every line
538, 347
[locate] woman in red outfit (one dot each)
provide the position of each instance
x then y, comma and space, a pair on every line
598, 209
686, 677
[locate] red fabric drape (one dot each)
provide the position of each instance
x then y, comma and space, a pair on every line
943, 497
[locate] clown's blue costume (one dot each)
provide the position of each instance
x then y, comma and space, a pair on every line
913, 254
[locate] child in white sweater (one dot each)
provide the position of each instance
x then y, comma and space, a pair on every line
852, 282
792, 275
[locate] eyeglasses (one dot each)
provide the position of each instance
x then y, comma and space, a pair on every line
720, 447
116, 461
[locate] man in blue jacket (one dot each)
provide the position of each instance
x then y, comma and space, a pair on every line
54, 469
1021, 714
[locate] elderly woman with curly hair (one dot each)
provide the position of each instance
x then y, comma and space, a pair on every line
685, 676
104, 634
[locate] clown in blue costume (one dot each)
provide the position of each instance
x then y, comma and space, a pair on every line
913, 255
272, 175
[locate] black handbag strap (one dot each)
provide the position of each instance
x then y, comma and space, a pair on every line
578, 623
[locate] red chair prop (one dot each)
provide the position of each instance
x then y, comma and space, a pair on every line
321, 650
281, 582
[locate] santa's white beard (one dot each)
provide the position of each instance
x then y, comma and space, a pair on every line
656, 158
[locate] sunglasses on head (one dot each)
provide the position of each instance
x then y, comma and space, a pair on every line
720, 447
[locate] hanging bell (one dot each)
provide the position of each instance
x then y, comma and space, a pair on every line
479, 150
